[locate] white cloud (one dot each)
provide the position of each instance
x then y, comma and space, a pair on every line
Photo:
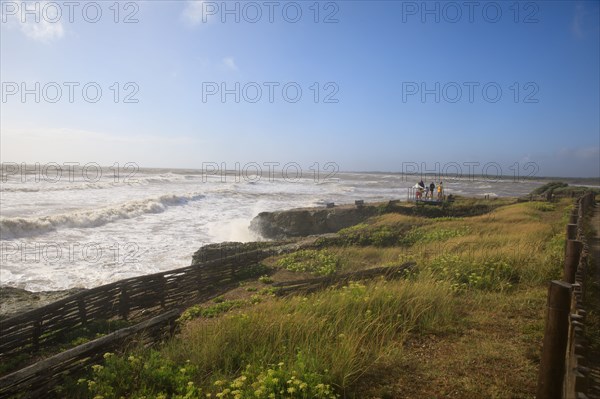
581, 153
192, 13
229, 63
44, 31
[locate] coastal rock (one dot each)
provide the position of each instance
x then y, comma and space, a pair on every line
309, 221
222, 250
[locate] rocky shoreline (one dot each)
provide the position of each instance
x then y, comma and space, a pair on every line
302, 222
281, 228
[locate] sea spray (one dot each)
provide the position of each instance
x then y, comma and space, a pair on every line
11, 228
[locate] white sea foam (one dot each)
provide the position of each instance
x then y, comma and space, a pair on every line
31, 185
11, 228
156, 222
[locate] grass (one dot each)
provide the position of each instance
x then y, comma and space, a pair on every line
467, 324
495, 355
320, 263
562, 189
336, 335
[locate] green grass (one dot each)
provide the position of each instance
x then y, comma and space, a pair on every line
467, 323
265, 279
328, 340
562, 189
549, 187
317, 262
432, 234
211, 311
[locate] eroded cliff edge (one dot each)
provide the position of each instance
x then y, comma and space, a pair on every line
303, 222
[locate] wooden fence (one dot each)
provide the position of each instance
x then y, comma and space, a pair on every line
134, 299
562, 373
39, 380
153, 301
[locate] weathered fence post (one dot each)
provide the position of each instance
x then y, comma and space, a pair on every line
36, 333
573, 217
163, 291
124, 303
82, 312
587, 201
572, 254
590, 199
552, 364
572, 231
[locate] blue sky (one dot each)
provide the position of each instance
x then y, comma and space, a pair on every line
373, 59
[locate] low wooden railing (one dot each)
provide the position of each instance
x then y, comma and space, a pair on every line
134, 299
562, 373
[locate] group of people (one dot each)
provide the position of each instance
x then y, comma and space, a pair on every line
429, 191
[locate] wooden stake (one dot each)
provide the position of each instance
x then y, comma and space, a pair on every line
572, 254
552, 365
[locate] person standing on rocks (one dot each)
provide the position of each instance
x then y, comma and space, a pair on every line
431, 189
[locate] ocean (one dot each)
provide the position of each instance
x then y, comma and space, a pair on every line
90, 227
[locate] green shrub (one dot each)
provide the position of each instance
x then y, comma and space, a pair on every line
265, 279
421, 235
549, 187
542, 206
384, 237
140, 377
150, 375
355, 235
363, 235
212, 311
491, 274
321, 263
274, 382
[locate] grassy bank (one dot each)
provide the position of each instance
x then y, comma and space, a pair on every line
468, 322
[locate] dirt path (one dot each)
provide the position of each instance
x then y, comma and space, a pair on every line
594, 356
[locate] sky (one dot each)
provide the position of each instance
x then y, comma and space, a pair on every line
367, 85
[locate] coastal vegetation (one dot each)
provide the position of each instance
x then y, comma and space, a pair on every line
466, 322
559, 188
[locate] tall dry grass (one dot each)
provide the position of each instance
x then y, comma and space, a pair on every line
339, 332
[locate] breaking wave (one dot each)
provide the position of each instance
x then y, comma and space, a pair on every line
26, 227
134, 181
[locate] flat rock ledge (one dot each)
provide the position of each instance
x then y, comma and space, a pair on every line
304, 222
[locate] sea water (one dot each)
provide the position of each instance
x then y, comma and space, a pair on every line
78, 231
